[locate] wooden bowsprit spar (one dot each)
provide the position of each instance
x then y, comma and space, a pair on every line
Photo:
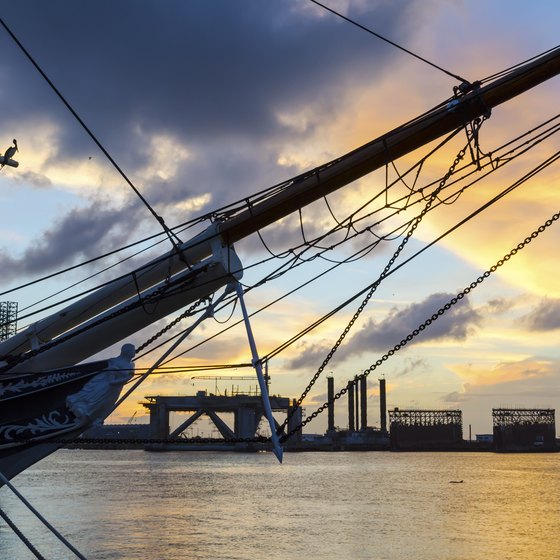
207, 262
212, 262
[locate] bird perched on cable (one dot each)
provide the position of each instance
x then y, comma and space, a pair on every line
9, 153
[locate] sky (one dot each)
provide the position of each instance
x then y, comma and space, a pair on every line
203, 103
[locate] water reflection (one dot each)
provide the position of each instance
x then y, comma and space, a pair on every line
133, 505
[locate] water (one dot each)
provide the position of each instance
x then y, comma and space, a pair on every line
125, 505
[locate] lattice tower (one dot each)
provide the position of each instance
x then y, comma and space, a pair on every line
8, 319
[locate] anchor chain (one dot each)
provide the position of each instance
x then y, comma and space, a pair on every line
425, 324
416, 222
151, 298
147, 441
175, 321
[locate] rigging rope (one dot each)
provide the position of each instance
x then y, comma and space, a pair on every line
27, 504
369, 248
383, 275
515, 66
353, 22
21, 536
424, 325
380, 361
359, 254
549, 161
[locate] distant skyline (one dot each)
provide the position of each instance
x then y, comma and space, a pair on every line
205, 103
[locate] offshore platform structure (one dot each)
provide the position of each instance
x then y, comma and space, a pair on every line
524, 429
425, 429
245, 406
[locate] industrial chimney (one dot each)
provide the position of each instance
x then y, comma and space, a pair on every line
383, 406
330, 398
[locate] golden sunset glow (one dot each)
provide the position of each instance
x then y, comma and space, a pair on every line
194, 139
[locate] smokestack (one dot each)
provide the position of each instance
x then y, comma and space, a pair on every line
363, 394
357, 388
330, 397
383, 405
350, 406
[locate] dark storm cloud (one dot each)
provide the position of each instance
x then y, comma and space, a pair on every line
455, 324
211, 75
83, 233
545, 317
196, 69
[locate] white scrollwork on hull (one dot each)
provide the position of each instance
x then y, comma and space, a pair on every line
24, 385
53, 422
92, 404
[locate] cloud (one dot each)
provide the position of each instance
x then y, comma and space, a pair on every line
545, 317
310, 355
202, 111
410, 366
499, 305
456, 324
83, 233
266, 59
506, 371
36, 180
528, 383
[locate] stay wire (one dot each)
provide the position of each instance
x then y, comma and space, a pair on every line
365, 250
170, 234
506, 191
413, 334
515, 66
324, 318
371, 287
344, 304
496, 162
364, 28
21, 536
414, 224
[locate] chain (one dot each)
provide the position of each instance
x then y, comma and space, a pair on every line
150, 298
175, 321
147, 441
375, 285
425, 324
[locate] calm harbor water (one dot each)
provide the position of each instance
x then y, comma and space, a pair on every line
129, 505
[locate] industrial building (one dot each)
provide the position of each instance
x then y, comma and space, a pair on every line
359, 436
426, 429
409, 429
524, 429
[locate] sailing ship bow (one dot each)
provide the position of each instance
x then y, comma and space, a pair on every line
193, 270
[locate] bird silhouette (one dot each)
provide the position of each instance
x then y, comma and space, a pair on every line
8, 154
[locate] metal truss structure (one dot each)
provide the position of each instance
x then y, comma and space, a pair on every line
522, 416
8, 319
425, 417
